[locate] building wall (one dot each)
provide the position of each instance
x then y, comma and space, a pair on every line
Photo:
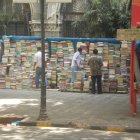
16, 22
58, 18
71, 13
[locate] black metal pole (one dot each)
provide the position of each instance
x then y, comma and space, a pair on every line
43, 111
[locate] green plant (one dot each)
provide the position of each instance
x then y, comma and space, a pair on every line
103, 18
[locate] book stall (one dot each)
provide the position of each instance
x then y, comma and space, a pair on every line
16, 70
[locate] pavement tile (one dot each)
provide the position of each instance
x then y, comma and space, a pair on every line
108, 111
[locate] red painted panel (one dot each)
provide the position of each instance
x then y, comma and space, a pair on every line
135, 14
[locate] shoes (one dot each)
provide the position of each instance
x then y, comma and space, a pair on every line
91, 92
37, 88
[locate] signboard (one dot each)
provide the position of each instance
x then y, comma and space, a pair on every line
128, 34
25, 1
59, 1
135, 16
136, 2
37, 1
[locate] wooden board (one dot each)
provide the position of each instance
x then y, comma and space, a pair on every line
128, 34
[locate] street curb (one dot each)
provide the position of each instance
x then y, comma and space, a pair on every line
91, 127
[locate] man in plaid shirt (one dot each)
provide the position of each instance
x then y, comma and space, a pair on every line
95, 63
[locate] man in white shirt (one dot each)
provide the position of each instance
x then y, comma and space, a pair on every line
75, 65
37, 66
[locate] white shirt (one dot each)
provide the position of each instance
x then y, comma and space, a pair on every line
38, 59
76, 57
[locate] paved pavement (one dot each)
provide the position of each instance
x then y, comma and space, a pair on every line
51, 133
83, 110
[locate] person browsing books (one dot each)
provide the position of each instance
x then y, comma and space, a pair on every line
95, 63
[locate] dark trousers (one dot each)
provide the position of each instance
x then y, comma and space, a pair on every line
96, 79
37, 77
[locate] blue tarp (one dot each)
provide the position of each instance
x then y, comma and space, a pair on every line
137, 43
109, 40
22, 37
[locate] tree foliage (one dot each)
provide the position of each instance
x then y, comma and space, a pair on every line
104, 17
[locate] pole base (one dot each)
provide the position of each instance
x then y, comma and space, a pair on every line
44, 123
43, 117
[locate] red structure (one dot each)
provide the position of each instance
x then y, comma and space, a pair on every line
135, 16
135, 22
133, 100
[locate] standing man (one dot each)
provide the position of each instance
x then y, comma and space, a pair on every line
75, 65
95, 63
37, 66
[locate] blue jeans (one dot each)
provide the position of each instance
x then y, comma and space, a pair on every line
46, 80
98, 79
74, 69
37, 77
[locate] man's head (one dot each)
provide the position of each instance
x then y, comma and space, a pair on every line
80, 50
95, 51
38, 48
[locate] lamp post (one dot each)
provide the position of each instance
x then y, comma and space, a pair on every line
43, 118
43, 113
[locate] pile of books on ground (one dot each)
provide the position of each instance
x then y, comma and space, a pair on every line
2, 75
16, 70
18, 60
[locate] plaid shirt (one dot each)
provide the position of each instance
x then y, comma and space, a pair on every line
95, 63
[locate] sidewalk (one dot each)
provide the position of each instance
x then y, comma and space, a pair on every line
78, 110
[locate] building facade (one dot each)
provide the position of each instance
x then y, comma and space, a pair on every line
24, 17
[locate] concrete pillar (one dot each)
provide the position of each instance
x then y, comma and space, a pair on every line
52, 24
